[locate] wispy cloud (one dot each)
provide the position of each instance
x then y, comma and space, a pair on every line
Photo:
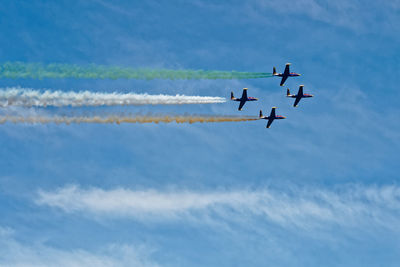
333, 12
16, 253
306, 208
360, 16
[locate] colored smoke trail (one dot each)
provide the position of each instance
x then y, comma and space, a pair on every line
122, 119
16, 70
31, 98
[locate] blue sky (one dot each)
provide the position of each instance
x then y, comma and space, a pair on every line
319, 188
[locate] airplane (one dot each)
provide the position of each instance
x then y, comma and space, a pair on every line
299, 95
285, 74
243, 99
271, 117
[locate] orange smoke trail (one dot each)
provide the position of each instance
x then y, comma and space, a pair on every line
123, 119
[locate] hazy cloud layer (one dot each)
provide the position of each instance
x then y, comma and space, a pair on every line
297, 207
359, 16
16, 253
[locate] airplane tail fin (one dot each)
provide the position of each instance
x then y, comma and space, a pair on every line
261, 113
274, 71
232, 97
288, 92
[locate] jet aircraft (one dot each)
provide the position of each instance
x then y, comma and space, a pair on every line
271, 117
285, 74
243, 99
299, 95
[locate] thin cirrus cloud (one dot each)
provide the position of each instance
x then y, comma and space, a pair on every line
306, 208
16, 253
354, 15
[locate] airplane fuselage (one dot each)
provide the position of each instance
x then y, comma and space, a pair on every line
247, 99
277, 117
302, 96
291, 74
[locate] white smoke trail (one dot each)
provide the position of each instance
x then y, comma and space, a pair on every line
34, 98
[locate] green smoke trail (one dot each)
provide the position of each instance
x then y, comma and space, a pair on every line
18, 70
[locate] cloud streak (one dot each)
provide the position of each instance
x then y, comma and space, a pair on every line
15, 253
360, 16
34, 98
353, 206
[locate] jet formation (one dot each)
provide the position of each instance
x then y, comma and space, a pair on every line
286, 74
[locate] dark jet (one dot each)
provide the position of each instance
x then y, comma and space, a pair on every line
299, 95
243, 99
285, 74
271, 117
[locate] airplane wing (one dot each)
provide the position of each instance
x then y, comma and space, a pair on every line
272, 114
242, 102
269, 122
284, 78
296, 102
300, 93
244, 94
287, 70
